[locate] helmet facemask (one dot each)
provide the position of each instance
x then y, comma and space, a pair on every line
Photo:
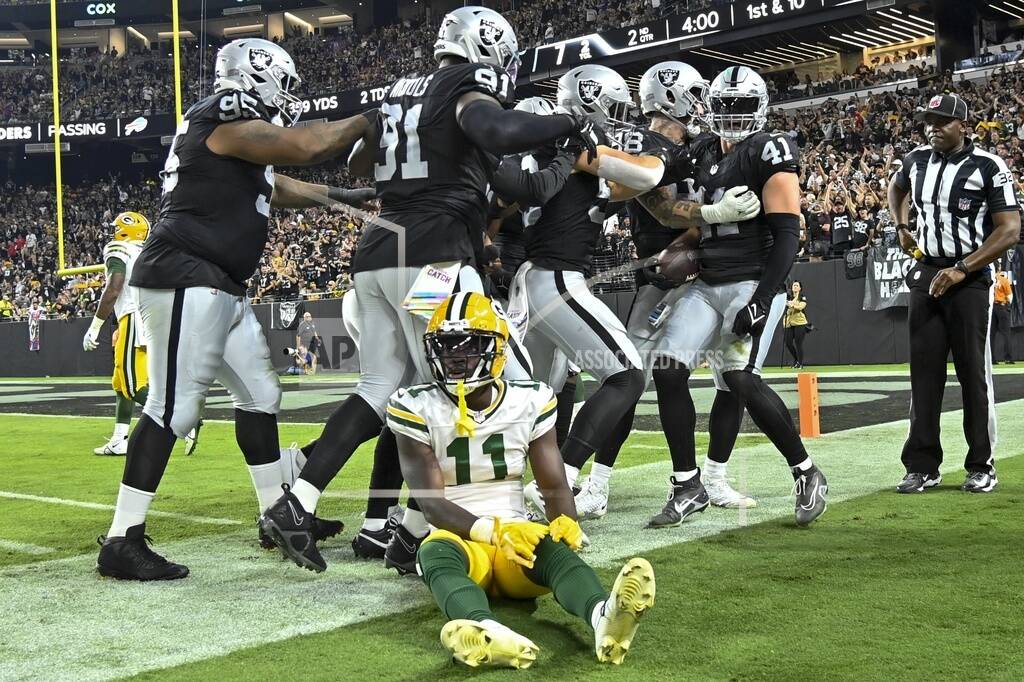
736, 116
468, 357
275, 91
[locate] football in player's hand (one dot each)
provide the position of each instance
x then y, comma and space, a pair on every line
679, 262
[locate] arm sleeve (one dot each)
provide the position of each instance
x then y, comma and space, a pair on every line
501, 131
516, 185
785, 228
547, 412
1000, 191
402, 418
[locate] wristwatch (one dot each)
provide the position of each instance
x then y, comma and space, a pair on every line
962, 267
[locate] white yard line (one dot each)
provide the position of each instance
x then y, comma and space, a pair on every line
109, 507
238, 596
24, 547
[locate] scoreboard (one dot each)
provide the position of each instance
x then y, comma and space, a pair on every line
738, 15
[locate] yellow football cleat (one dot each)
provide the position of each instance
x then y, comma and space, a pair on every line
632, 594
487, 643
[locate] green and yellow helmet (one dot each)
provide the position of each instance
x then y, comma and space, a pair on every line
466, 341
130, 227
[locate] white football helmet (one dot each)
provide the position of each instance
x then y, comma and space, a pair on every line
536, 105
673, 89
598, 93
263, 69
481, 36
737, 103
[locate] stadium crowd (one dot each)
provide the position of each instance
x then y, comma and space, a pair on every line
849, 149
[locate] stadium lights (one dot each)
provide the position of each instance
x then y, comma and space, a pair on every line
870, 42
819, 46
908, 25
801, 56
887, 39
909, 16
1013, 5
1004, 11
817, 52
898, 25
894, 29
732, 59
770, 56
927, 23
788, 56
308, 26
170, 34
850, 42
766, 60
137, 34
236, 30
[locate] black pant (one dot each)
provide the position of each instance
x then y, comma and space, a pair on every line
1001, 333
957, 322
794, 340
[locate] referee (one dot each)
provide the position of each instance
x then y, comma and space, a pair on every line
967, 216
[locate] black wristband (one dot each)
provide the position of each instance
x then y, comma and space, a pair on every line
962, 267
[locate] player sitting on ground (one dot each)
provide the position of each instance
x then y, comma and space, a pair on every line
463, 442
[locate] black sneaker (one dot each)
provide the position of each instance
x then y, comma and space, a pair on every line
811, 489
371, 544
401, 552
685, 499
915, 482
322, 529
130, 558
290, 527
980, 482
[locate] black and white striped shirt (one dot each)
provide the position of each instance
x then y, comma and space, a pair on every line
955, 197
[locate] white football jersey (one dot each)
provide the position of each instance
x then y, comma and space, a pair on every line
483, 473
127, 253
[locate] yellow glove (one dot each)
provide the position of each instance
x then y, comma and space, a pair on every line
568, 531
516, 540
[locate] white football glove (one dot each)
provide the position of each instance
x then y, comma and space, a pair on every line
736, 205
91, 339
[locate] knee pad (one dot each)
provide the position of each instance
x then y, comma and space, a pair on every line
630, 382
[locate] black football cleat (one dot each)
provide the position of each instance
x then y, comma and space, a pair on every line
915, 482
685, 499
322, 529
401, 552
811, 490
130, 558
980, 482
371, 544
290, 527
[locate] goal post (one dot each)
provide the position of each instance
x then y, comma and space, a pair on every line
62, 267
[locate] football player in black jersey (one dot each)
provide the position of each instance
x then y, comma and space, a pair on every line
218, 187
551, 296
728, 314
432, 155
671, 96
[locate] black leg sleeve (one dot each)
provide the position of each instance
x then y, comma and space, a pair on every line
256, 433
724, 425
609, 450
385, 478
566, 404
351, 425
149, 448
769, 413
678, 414
600, 415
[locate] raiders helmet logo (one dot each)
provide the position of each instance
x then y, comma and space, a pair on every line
260, 59
288, 310
589, 91
668, 77
714, 169
490, 32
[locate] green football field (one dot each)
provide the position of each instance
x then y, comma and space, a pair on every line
881, 587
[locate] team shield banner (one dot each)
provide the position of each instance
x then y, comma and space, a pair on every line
287, 315
885, 284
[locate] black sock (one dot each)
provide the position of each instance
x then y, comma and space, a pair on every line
149, 448
351, 425
385, 477
566, 403
609, 452
678, 414
724, 425
769, 413
600, 415
414, 505
307, 449
256, 433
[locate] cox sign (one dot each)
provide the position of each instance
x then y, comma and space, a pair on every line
101, 8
